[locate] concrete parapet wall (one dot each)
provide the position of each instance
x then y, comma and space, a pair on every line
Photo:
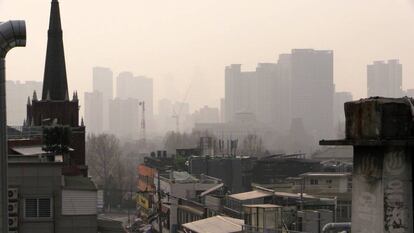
380, 118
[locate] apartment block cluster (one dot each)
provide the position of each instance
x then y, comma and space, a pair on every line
119, 114
277, 93
126, 112
224, 193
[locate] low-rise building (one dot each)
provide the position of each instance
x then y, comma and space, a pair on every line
234, 203
313, 220
275, 169
146, 190
190, 211
329, 185
262, 218
235, 172
45, 201
174, 186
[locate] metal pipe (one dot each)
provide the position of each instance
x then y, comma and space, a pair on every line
336, 226
12, 34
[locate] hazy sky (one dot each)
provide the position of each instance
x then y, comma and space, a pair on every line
183, 43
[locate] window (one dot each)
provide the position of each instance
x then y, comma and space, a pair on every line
329, 181
313, 181
38, 208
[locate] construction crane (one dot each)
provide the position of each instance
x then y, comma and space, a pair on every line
143, 125
176, 115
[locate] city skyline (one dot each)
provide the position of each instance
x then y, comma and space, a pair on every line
205, 47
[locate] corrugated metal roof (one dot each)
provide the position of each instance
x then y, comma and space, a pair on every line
216, 224
251, 195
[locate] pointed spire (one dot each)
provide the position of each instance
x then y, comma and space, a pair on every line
34, 96
28, 101
82, 123
66, 96
48, 96
75, 96
54, 80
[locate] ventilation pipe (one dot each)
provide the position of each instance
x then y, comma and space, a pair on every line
12, 34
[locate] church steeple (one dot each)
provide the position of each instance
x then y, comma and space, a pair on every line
55, 84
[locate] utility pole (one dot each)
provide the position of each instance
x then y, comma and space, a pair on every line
302, 184
130, 200
13, 34
159, 203
143, 123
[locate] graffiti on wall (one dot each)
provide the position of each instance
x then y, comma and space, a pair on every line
396, 203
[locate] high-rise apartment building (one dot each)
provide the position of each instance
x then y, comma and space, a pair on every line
124, 120
94, 112
384, 79
266, 101
136, 87
299, 86
312, 90
17, 94
283, 91
103, 82
340, 98
206, 114
240, 91
222, 110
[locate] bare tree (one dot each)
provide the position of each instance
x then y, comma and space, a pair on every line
103, 158
252, 145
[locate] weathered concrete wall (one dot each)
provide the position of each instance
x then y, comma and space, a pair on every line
382, 132
379, 118
382, 190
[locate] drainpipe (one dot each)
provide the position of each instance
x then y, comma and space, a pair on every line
12, 34
340, 226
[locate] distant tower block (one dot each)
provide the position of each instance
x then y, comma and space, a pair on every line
381, 131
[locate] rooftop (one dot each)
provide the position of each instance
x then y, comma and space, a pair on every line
216, 224
185, 177
251, 195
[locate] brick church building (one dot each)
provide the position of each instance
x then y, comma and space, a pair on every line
55, 104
